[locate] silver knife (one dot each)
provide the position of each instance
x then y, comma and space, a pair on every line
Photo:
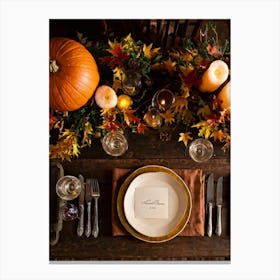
210, 202
219, 202
80, 228
88, 201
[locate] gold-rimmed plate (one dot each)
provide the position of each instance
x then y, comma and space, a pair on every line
179, 204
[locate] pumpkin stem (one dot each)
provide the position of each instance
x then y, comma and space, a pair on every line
53, 66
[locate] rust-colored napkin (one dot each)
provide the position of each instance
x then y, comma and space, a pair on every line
194, 179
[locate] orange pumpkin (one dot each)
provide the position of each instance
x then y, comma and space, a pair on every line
74, 74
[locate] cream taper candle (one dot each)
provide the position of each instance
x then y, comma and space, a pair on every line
223, 97
214, 76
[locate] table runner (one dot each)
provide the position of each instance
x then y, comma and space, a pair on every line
194, 179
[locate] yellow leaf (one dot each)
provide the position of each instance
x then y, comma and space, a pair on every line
168, 116
185, 90
87, 132
118, 73
59, 125
181, 103
112, 44
147, 50
126, 119
185, 137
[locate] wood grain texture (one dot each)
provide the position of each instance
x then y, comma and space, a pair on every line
143, 150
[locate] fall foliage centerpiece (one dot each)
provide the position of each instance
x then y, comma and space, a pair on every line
196, 74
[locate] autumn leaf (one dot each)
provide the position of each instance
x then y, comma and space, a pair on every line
130, 117
127, 41
192, 79
185, 137
52, 121
186, 70
118, 73
66, 147
168, 116
181, 103
87, 132
175, 54
59, 125
149, 52
214, 50
226, 146
224, 115
205, 110
141, 128
169, 65
112, 45
117, 84
218, 135
204, 129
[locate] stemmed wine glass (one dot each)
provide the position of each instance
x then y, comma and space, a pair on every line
114, 143
201, 150
68, 188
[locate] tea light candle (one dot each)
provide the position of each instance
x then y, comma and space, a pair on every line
214, 76
164, 99
124, 102
153, 118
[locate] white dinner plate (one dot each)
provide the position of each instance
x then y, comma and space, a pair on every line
178, 204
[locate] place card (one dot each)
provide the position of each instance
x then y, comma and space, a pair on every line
151, 203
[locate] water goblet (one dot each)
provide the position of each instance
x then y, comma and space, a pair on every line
114, 143
201, 150
68, 187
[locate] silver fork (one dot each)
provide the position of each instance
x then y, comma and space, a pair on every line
95, 193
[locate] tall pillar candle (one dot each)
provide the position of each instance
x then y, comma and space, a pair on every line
214, 76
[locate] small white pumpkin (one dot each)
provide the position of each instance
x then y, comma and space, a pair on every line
106, 97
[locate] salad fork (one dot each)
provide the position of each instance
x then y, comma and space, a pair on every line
95, 193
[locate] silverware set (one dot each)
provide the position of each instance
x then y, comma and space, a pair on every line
91, 191
210, 202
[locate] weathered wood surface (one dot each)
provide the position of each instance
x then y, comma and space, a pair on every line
143, 150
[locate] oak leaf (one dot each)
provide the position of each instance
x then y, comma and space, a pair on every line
168, 116
185, 137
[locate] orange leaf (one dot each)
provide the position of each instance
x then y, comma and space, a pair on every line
185, 137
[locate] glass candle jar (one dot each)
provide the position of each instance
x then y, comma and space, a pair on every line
153, 118
132, 83
163, 99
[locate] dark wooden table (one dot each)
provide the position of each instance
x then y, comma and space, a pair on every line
143, 150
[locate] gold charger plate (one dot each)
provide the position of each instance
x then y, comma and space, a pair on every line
179, 194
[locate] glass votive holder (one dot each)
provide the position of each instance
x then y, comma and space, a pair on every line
68, 187
201, 150
152, 118
163, 99
132, 83
114, 143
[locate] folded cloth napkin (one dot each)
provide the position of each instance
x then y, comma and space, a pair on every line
194, 179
